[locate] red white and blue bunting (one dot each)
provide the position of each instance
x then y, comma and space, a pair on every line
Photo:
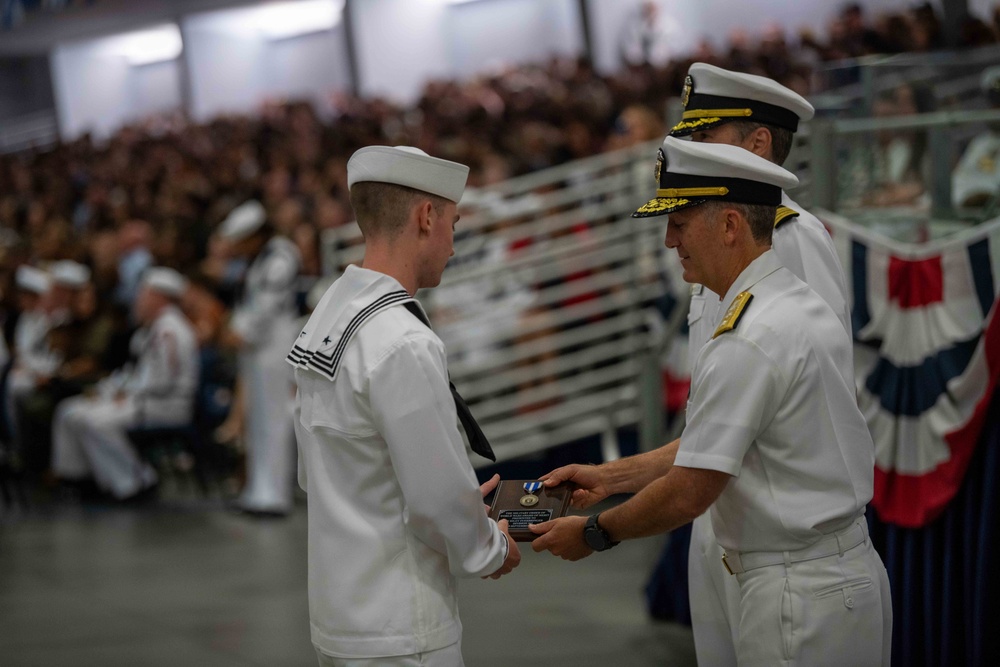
927, 358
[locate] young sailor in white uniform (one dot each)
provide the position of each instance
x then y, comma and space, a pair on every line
263, 326
35, 361
89, 432
763, 116
395, 511
31, 354
774, 443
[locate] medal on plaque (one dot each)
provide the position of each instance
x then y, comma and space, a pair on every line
530, 500
523, 503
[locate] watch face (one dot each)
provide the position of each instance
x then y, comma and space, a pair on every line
594, 539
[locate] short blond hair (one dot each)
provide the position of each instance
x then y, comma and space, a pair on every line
382, 208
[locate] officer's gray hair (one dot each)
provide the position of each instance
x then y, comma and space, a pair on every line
382, 208
759, 217
781, 138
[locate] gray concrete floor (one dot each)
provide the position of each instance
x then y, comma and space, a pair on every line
186, 583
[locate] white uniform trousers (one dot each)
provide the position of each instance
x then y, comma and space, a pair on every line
88, 438
270, 436
715, 598
449, 656
825, 612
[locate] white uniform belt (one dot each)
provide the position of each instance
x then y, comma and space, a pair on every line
834, 543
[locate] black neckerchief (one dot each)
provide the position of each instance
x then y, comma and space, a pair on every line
477, 439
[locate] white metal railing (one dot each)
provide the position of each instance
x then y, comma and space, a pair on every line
835, 177
547, 307
953, 76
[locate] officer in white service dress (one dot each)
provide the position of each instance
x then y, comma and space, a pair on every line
775, 443
762, 117
395, 513
89, 432
263, 326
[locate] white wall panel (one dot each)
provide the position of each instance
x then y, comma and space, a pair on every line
234, 66
402, 43
223, 67
493, 32
154, 88
98, 91
307, 66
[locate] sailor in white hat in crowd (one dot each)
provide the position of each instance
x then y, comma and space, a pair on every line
976, 179
775, 445
89, 436
33, 284
760, 115
263, 326
30, 353
46, 299
395, 510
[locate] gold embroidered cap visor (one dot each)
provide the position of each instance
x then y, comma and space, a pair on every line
679, 191
703, 112
692, 173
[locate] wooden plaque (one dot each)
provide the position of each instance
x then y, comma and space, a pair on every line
521, 509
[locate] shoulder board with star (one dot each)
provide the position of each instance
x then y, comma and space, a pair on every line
784, 214
733, 314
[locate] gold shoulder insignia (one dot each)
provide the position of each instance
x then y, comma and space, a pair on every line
733, 315
784, 214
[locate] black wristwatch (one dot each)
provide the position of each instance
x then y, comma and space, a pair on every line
596, 537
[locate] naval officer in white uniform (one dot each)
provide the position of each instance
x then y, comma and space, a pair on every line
774, 444
263, 326
760, 115
89, 432
395, 511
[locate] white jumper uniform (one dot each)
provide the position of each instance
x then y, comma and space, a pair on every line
32, 358
89, 433
266, 318
773, 404
395, 512
803, 245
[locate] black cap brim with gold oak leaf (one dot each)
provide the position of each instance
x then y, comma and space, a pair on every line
679, 191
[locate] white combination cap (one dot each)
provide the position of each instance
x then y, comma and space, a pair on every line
243, 221
405, 165
690, 173
713, 96
165, 280
32, 279
70, 274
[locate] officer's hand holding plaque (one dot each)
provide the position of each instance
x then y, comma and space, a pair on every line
526, 502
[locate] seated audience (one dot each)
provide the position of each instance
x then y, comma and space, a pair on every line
89, 433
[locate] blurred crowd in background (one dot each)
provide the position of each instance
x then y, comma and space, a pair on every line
154, 193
